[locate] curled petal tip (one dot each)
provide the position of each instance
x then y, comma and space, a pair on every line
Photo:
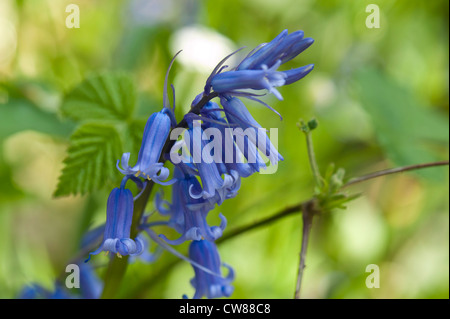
166, 103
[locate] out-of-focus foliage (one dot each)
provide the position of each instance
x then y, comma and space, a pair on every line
380, 95
408, 131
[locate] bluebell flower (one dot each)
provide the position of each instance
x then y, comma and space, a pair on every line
235, 81
119, 215
297, 74
235, 167
283, 48
156, 131
188, 214
259, 70
238, 114
213, 284
212, 181
218, 182
154, 138
243, 137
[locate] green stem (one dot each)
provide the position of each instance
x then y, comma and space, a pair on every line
240, 230
308, 212
312, 159
114, 274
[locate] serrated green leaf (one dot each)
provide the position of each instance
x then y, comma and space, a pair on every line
107, 96
90, 163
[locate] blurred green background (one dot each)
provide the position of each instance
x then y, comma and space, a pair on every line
380, 96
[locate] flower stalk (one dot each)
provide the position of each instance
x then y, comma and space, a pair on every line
307, 129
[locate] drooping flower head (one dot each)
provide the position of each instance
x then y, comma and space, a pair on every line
156, 131
206, 177
210, 285
119, 215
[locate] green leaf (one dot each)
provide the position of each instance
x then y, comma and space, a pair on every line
91, 160
107, 96
18, 113
408, 131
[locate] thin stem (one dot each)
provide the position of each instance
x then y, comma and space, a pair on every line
265, 221
308, 214
393, 171
308, 208
311, 154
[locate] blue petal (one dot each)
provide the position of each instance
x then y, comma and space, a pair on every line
297, 74
259, 57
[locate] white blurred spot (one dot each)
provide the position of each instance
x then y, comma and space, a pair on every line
8, 41
203, 48
361, 232
323, 91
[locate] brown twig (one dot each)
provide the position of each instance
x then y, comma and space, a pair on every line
393, 171
308, 212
